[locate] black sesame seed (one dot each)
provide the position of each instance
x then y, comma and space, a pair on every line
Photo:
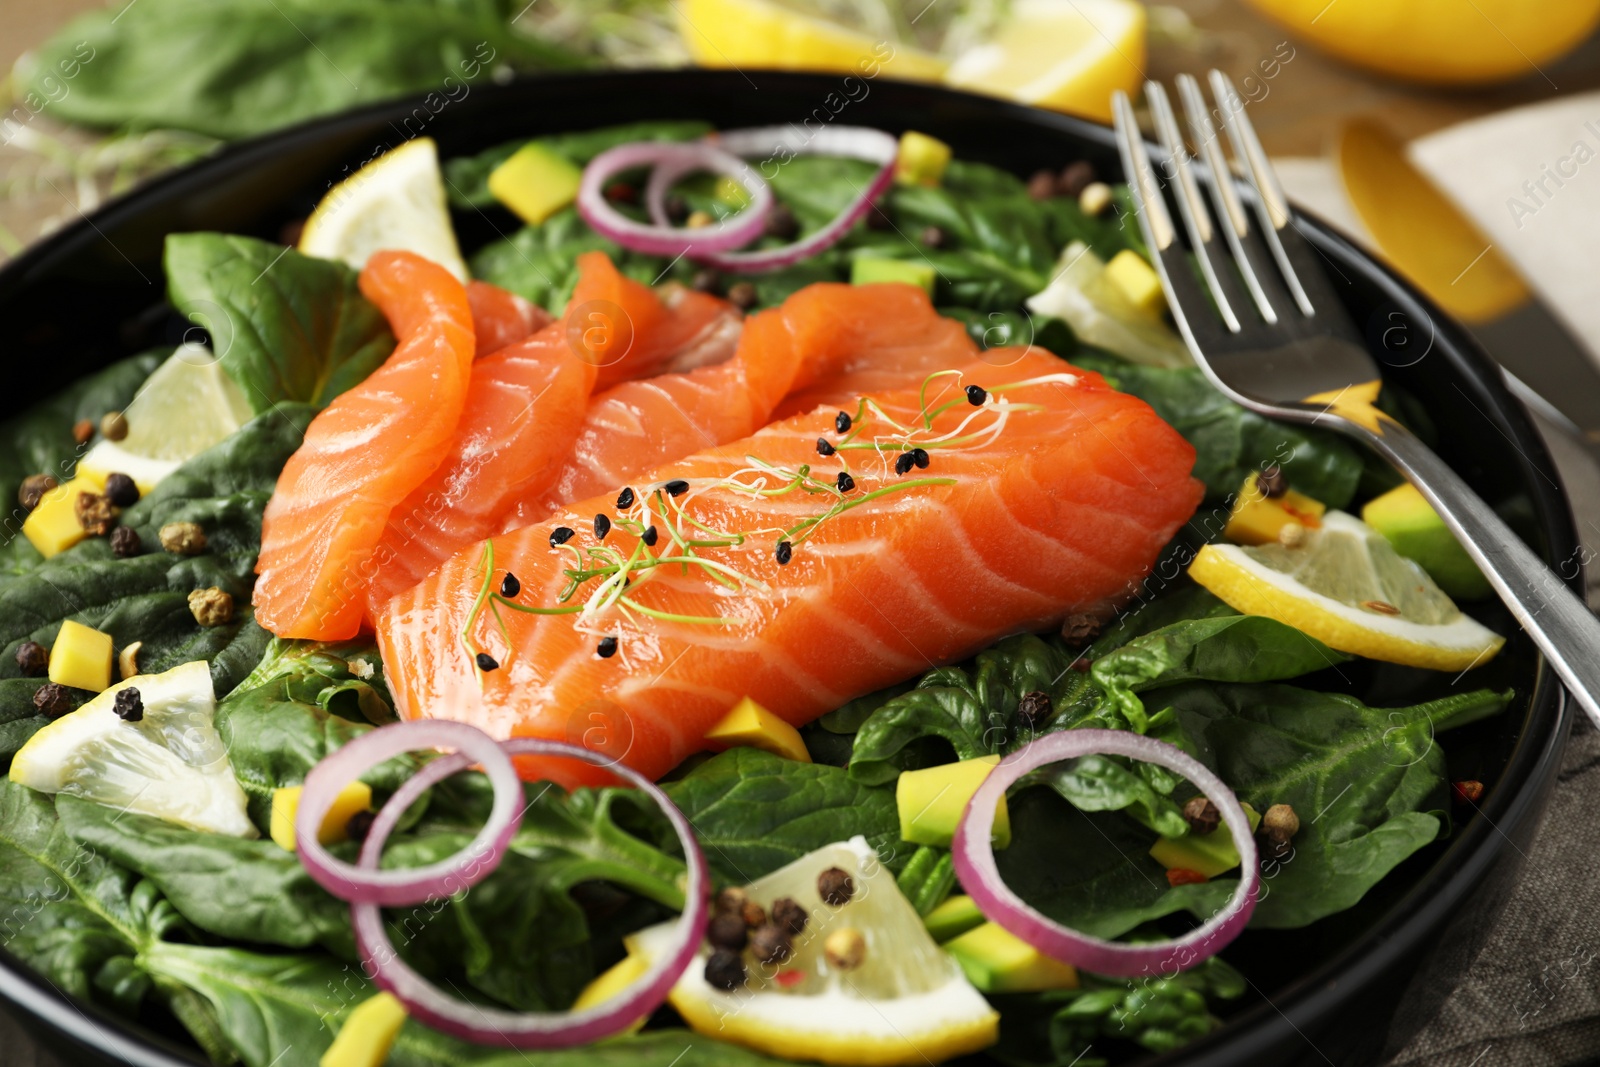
625, 500
128, 704
903, 463
561, 535
676, 487
976, 395
919, 456
824, 448
846, 483
486, 662
509, 586
650, 536
841, 422
602, 526
785, 552
607, 647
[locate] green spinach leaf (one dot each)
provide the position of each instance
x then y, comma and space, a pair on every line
286, 326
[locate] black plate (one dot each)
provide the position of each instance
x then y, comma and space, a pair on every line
1322, 995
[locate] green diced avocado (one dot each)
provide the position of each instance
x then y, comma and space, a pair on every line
866, 270
1417, 532
1209, 854
997, 961
932, 801
954, 917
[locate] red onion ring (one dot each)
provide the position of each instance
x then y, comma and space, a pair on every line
664, 239
980, 875
396, 888
530, 1030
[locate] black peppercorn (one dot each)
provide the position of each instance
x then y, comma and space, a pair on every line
33, 659
731, 899
1034, 708
706, 281
1201, 815
121, 491
781, 223
125, 542
1080, 628
725, 970
789, 916
677, 208
1075, 178
33, 489
1042, 186
128, 704
770, 944
835, 887
358, 826
727, 930
1272, 482
743, 296
53, 700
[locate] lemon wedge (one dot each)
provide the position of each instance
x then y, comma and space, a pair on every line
1063, 54
394, 203
187, 405
905, 1002
1345, 585
1088, 298
758, 33
170, 762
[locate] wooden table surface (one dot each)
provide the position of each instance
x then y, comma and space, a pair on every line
1303, 107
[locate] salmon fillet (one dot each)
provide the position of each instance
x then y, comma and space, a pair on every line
500, 318
1056, 502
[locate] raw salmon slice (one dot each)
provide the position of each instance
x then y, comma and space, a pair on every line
500, 318
364, 453
629, 330
1055, 503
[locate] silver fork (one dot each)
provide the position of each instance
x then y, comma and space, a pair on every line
1264, 323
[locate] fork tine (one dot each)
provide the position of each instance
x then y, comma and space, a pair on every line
1235, 225
1272, 207
1196, 220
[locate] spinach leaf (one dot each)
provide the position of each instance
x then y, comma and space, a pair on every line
754, 812
145, 597
1231, 442
234, 68
286, 326
467, 177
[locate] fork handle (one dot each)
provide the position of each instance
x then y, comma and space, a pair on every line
1561, 624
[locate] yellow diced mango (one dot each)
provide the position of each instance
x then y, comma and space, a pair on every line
1138, 281
367, 1035
53, 526
81, 657
357, 796
535, 183
752, 726
1257, 519
931, 801
922, 159
626, 972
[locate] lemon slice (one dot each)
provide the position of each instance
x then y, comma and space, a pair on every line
757, 33
187, 405
1346, 586
1064, 54
171, 763
396, 203
1085, 297
906, 1003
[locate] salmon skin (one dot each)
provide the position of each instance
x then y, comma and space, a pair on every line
1051, 498
500, 318
364, 453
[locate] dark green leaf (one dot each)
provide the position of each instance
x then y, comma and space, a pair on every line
285, 326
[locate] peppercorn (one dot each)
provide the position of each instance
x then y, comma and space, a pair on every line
1281, 818
781, 223
845, 949
976, 395
95, 513
183, 538
789, 916
1042, 186
1094, 199
1201, 815
510, 586
878, 219
784, 552
903, 463
727, 930
1034, 708
743, 295
932, 237
486, 662
754, 914
1080, 628
698, 220
731, 899
113, 426
1272, 482
676, 487
841, 422
52, 700
650, 536
835, 887
602, 526
125, 542
824, 448
82, 430
844, 482
128, 704
121, 490
677, 208
1075, 178
33, 489
919, 456
725, 970
33, 659
561, 535
1291, 535
211, 607
621, 193
770, 944
358, 826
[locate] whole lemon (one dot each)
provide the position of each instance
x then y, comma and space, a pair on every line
1440, 42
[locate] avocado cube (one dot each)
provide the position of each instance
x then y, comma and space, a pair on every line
997, 961
1417, 532
954, 917
1209, 854
870, 270
922, 159
932, 801
367, 1035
